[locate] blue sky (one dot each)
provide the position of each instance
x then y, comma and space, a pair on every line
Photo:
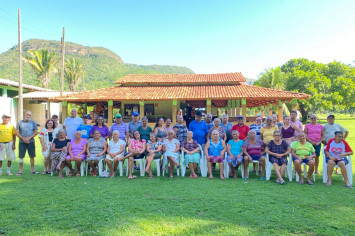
207, 36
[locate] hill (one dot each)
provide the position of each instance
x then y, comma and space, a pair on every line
102, 66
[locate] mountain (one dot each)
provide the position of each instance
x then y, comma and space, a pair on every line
102, 67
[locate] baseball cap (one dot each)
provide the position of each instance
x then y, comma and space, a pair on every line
118, 116
329, 115
135, 113
198, 113
240, 116
85, 116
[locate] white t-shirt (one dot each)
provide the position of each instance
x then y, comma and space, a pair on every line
329, 130
116, 147
71, 125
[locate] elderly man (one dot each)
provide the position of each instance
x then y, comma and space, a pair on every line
121, 127
209, 122
329, 130
72, 123
85, 128
294, 121
242, 128
227, 126
26, 130
134, 124
199, 129
7, 143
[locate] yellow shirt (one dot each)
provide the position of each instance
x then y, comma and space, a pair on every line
268, 134
6, 133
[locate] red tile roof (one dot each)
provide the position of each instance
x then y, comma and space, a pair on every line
255, 96
177, 79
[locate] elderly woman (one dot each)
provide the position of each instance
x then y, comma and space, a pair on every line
76, 151
253, 149
154, 148
101, 127
214, 150
115, 150
171, 149
59, 151
160, 130
336, 151
180, 130
136, 149
315, 134
257, 126
288, 131
145, 129
192, 153
46, 136
96, 149
267, 132
234, 152
221, 131
278, 150
303, 152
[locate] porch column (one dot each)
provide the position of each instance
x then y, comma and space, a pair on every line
294, 104
281, 111
208, 106
270, 109
64, 110
256, 111
4, 92
85, 108
141, 109
48, 109
229, 108
110, 112
233, 109
237, 107
262, 111
174, 112
244, 108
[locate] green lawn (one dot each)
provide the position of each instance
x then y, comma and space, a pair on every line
45, 205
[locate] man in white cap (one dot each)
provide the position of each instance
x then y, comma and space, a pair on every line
7, 142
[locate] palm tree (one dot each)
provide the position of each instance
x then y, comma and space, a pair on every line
43, 63
73, 73
272, 78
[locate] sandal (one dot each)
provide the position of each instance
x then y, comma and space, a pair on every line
282, 182
348, 186
301, 182
77, 175
150, 176
309, 182
262, 179
329, 184
35, 172
44, 172
245, 179
19, 173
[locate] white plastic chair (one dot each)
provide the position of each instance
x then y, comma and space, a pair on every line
120, 166
141, 167
157, 162
269, 165
349, 168
256, 168
166, 167
305, 173
202, 166
67, 170
226, 168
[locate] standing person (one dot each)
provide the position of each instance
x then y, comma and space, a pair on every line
199, 129
7, 142
180, 130
267, 131
329, 130
72, 123
91, 117
121, 127
26, 130
85, 128
242, 128
145, 129
55, 119
46, 136
101, 127
160, 129
134, 124
275, 121
216, 126
315, 134
288, 131
80, 112
209, 122
296, 122
227, 126
168, 125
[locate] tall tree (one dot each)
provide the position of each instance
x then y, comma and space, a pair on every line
43, 63
272, 78
73, 73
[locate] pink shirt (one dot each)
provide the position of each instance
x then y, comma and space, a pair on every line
137, 145
298, 124
314, 132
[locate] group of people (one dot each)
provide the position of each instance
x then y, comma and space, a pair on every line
76, 140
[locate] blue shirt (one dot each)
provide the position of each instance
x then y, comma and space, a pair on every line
227, 129
236, 147
85, 130
122, 129
200, 130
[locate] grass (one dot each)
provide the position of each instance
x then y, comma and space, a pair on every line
44, 205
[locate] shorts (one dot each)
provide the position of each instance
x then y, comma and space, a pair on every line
6, 149
235, 161
108, 157
157, 155
47, 153
141, 156
317, 149
345, 160
279, 161
305, 160
29, 147
217, 159
255, 158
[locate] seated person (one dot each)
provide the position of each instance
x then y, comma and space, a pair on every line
214, 151
115, 150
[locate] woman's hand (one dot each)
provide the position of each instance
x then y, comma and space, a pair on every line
44, 148
64, 149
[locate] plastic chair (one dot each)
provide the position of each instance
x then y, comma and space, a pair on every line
226, 168
269, 165
304, 172
141, 167
157, 161
120, 166
349, 169
256, 168
67, 170
202, 166
166, 168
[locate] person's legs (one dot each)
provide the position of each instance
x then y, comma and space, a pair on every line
262, 164
282, 169
109, 164
231, 167
149, 162
310, 169
298, 169
130, 164
246, 166
316, 164
32, 153
277, 172
45, 164
78, 165
344, 172
68, 162
22, 148
192, 169
92, 166
172, 166
60, 175
32, 161
221, 170
0, 167
330, 169
115, 164
209, 165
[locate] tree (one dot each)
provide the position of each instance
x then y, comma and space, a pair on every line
43, 63
73, 73
272, 78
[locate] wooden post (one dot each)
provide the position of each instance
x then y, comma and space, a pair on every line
85, 108
141, 109
110, 112
174, 112
20, 90
229, 107
255, 111
281, 111
208, 106
262, 111
48, 109
62, 69
270, 109
244, 109
64, 110
233, 109
294, 104
237, 109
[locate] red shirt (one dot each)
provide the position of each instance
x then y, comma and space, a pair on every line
243, 130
